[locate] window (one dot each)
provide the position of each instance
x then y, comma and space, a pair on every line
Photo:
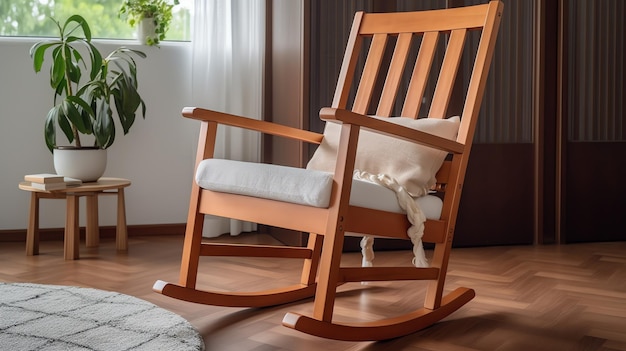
30, 18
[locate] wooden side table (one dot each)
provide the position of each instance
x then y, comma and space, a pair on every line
104, 186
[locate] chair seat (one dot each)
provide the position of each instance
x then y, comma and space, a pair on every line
300, 186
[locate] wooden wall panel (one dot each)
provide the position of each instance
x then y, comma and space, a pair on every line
593, 126
597, 79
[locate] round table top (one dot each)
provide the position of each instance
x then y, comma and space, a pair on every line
102, 184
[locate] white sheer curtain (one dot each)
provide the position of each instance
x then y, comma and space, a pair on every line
227, 75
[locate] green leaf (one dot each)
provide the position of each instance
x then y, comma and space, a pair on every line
38, 52
77, 57
72, 68
104, 127
49, 130
59, 90
71, 112
80, 21
96, 61
85, 113
57, 73
64, 123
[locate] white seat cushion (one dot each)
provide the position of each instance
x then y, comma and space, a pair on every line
275, 182
371, 195
300, 186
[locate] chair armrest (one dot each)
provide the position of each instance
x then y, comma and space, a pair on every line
252, 124
392, 129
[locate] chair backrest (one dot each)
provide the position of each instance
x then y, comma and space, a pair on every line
391, 40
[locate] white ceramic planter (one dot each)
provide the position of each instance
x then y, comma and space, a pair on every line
86, 164
146, 29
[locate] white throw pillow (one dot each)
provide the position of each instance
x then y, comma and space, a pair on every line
412, 165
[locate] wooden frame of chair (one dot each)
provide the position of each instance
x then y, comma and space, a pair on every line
322, 271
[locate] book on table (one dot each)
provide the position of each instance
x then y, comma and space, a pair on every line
48, 181
72, 181
44, 178
48, 186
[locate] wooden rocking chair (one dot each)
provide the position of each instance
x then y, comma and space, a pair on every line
323, 201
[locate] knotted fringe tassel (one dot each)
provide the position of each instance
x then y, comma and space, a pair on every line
367, 250
414, 214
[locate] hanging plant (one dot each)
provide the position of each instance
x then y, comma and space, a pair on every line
158, 13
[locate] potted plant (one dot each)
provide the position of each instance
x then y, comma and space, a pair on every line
87, 88
152, 17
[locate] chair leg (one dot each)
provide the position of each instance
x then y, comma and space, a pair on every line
329, 276
191, 251
435, 287
309, 270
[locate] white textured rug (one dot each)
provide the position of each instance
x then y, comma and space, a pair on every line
51, 317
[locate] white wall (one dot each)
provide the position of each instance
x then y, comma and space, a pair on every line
157, 155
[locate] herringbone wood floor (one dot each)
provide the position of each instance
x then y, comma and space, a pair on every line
570, 297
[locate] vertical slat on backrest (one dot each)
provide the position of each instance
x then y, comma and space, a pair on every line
448, 73
419, 78
394, 75
370, 72
351, 56
478, 79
